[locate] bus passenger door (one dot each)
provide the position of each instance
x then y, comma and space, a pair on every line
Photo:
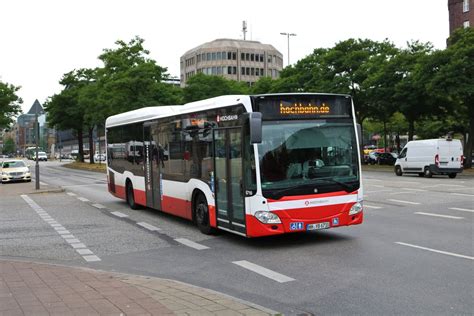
230, 208
152, 170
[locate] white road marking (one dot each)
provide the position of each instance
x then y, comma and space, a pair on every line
438, 215
100, 206
84, 252
42, 183
263, 271
377, 186
462, 194
83, 199
91, 258
148, 226
434, 250
371, 206
71, 194
451, 185
78, 245
461, 209
68, 237
118, 214
407, 202
72, 240
379, 191
191, 244
418, 190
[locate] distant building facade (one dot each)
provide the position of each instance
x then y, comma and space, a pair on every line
461, 14
238, 60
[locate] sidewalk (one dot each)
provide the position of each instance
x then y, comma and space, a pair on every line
29, 288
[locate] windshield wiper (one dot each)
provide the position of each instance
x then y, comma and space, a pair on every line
347, 187
279, 193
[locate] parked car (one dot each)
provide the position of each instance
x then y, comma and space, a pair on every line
386, 158
14, 170
99, 157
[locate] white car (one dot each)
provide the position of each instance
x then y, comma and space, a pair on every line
14, 170
99, 157
41, 156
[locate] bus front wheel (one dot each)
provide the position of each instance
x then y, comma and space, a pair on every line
131, 197
201, 212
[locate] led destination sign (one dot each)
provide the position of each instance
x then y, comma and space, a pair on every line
274, 107
302, 109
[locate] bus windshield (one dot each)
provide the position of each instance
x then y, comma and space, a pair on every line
308, 156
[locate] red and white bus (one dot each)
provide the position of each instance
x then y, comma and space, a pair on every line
251, 165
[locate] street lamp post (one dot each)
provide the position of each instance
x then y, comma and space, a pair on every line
288, 36
37, 179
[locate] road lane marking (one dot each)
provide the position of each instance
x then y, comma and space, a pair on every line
91, 258
42, 183
434, 250
84, 252
75, 243
148, 226
99, 206
417, 190
407, 202
281, 278
118, 214
461, 209
71, 194
377, 185
191, 244
83, 199
438, 215
462, 194
371, 206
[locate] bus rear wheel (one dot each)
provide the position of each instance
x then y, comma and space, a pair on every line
131, 197
201, 213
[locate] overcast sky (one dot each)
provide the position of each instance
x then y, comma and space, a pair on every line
43, 39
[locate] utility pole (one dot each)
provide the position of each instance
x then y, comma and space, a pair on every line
37, 174
288, 36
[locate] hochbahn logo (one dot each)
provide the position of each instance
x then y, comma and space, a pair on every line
300, 108
226, 118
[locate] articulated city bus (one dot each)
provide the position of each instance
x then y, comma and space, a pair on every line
251, 165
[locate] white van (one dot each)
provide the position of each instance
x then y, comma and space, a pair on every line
431, 156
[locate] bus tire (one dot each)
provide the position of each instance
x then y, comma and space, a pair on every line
428, 173
398, 171
452, 175
201, 213
130, 196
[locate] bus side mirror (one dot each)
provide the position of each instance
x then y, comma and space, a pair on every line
255, 124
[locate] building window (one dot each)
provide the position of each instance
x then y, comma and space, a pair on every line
242, 70
213, 56
465, 6
229, 70
229, 55
218, 57
208, 56
247, 71
466, 24
234, 56
252, 57
224, 55
261, 58
242, 56
247, 56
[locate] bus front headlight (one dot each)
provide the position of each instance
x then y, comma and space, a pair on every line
267, 217
356, 208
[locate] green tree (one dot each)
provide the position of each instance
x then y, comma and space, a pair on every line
9, 146
455, 80
202, 86
9, 103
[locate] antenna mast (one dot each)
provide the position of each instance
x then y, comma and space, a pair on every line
244, 28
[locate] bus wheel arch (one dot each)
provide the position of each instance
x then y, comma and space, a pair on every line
129, 195
201, 212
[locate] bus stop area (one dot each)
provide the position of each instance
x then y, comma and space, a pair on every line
39, 288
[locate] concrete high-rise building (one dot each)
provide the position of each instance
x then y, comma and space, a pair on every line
238, 60
461, 14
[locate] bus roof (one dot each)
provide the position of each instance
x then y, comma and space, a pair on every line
150, 113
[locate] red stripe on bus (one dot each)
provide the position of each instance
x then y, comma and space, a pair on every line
212, 215
176, 206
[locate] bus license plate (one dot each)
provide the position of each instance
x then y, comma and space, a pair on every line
318, 226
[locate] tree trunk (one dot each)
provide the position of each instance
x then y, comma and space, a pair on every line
469, 144
91, 144
81, 145
411, 129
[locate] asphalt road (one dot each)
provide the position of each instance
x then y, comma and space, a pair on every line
413, 254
